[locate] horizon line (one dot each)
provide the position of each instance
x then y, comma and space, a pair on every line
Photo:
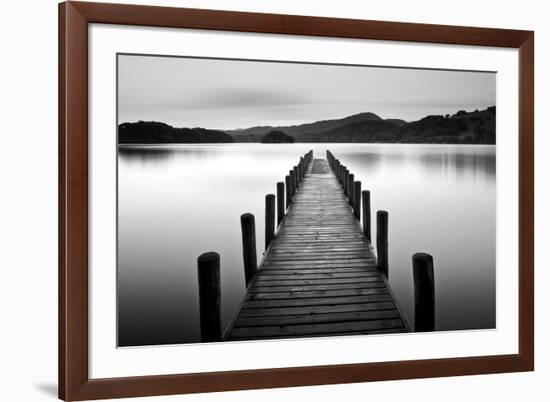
304, 123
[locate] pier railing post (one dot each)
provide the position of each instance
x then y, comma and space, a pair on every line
346, 184
382, 240
296, 183
424, 293
366, 215
280, 201
248, 228
288, 183
292, 183
351, 179
357, 200
269, 219
210, 297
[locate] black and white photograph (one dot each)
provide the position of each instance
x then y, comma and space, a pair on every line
265, 199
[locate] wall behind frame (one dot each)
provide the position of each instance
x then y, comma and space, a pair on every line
28, 204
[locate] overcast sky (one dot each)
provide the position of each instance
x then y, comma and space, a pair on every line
228, 94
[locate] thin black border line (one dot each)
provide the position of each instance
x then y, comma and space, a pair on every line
303, 62
117, 293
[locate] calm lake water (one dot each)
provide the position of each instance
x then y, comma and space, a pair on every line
176, 202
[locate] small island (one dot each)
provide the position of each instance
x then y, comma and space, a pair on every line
277, 137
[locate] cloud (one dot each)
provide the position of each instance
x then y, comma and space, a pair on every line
234, 98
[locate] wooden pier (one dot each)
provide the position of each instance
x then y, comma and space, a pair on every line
319, 275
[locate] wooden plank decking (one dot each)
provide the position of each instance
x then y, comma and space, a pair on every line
319, 276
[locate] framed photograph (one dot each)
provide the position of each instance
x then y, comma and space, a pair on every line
259, 200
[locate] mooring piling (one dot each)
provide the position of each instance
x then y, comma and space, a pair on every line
288, 184
366, 215
269, 219
248, 229
292, 183
280, 201
357, 200
424, 292
382, 240
346, 181
351, 179
210, 297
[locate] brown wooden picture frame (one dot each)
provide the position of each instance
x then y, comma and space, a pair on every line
74, 381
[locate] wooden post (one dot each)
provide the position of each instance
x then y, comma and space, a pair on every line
366, 215
280, 201
288, 183
345, 183
424, 293
292, 181
269, 219
248, 228
351, 179
382, 241
210, 297
296, 182
357, 200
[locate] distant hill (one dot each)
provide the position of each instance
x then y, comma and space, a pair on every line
397, 122
276, 137
477, 127
255, 134
360, 131
151, 132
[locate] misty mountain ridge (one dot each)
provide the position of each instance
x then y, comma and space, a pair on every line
254, 134
476, 127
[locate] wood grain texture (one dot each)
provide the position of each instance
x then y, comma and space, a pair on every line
298, 25
74, 382
73, 202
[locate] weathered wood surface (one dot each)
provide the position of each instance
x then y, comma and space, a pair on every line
319, 277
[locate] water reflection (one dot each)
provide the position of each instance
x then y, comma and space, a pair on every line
441, 200
479, 162
140, 154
